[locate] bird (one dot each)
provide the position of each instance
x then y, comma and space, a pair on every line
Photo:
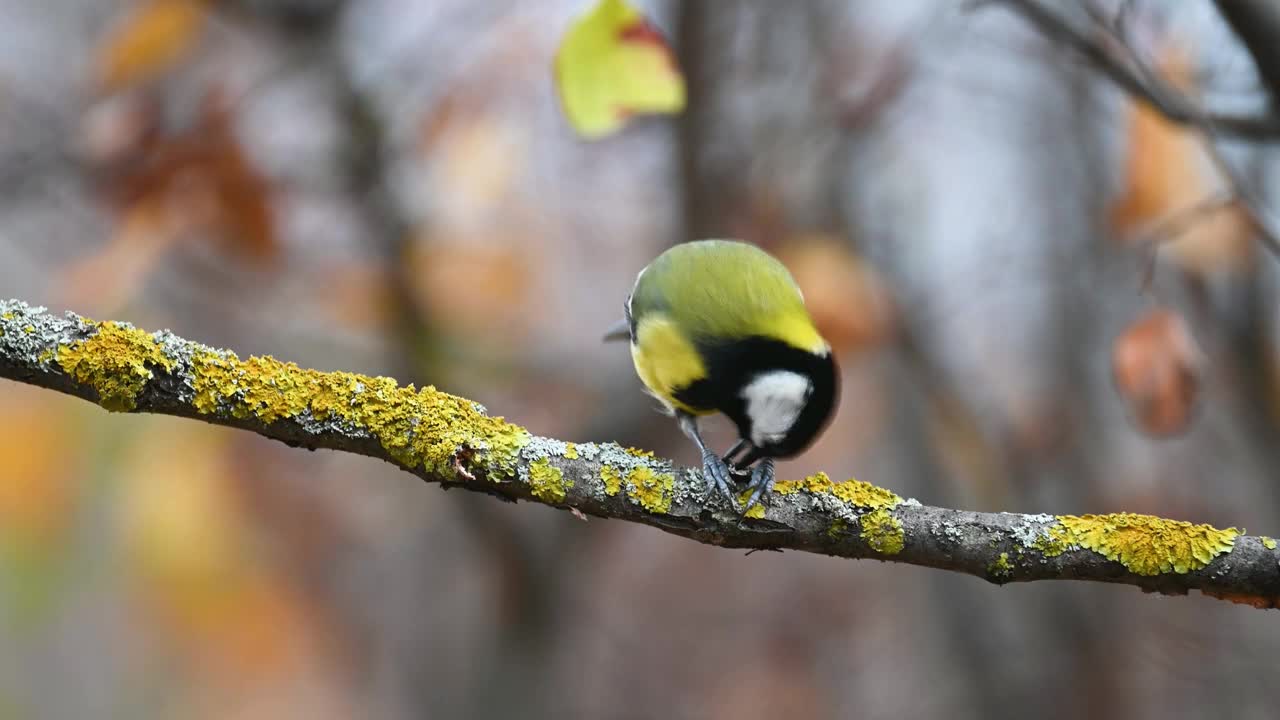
720, 326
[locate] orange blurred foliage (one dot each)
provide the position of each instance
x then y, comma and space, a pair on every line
1167, 172
165, 187
201, 179
108, 279
771, 687
358, 296
1261, 602
474, 289
147, 41
37, 494
849, 302
1157, 367
200, 577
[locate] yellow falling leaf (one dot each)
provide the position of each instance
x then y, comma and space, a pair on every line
612, 65
150, 39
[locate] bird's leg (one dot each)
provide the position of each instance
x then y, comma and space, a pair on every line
752, 456
761, 482
714, 471
761, 475
741, 445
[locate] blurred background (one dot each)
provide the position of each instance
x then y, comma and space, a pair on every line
391, 187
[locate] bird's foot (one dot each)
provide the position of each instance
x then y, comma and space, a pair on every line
716, 474
761, 483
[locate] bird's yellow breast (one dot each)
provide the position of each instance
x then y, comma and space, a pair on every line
666, 360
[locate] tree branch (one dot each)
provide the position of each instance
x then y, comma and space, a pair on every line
452, 441
1106, 49
1257, 24
1109, 59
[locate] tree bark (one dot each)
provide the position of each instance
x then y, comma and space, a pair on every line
452, 441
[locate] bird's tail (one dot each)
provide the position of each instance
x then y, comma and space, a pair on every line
620, 330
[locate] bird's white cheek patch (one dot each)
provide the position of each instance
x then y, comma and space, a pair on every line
774, 401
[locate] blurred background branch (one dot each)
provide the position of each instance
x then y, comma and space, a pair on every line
1110, 54
1257, 24
1108, 48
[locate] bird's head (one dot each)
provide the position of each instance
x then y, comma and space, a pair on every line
786, 407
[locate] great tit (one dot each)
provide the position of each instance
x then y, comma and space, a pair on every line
721, 326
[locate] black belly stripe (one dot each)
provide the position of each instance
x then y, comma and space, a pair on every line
731, 365
702, 396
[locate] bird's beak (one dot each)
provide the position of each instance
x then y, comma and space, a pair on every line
620, 330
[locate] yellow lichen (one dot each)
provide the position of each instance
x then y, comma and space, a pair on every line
570, 451
755, 511
882, 531
855, 492
1268, 543
1144, 544
837, 529
116, 362
548, 481
612, 478
418, 428
8, 316
260, 387
1000, 567
814, 484
866, 495
1053, 542
642, 454
653, 491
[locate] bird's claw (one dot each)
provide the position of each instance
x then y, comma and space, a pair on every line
716, 474
761, 483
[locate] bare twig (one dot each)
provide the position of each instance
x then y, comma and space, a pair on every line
1108, 49
1168, 100
1259, 217
449, 440
1211, 137
1172, 226
1257, 24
